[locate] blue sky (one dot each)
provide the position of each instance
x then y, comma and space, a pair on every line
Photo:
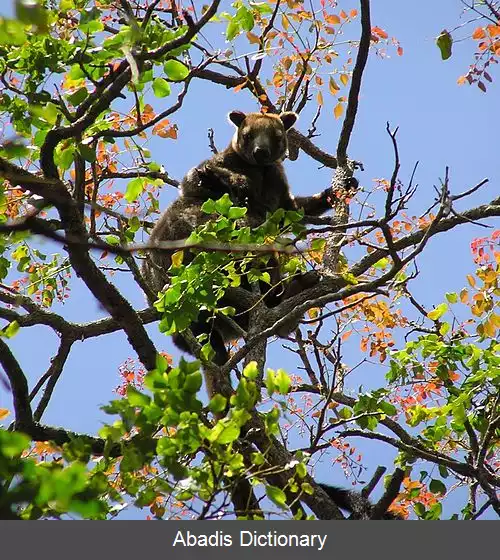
441, 124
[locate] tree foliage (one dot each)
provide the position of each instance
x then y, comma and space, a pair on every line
81, 84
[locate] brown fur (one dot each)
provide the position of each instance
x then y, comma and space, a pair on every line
251, 172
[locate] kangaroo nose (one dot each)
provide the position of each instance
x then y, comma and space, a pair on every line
261, 154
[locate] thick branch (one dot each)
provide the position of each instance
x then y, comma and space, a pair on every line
18, 384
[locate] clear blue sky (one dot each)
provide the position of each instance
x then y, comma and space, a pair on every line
441, 124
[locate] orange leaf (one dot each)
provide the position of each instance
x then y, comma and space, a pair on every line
338, 110
252, 38
320, 99
343, 15
332, 19
4, 412
493, 30
479, 33
379, 32
346, 335
353, 13
344, 78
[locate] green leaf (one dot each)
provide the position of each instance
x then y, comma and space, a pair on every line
438, 312
277, 496
452, 297
301, 470
161, 363
65, 157
223, 205
208, 207
161, 87
245, 18
437, 487
251, 371
318, 244
224, 433
14, 150
444, 329
87, 153
135, 188
257, 459
136, 398
282, 381
12, 444
193, 382
381, 264
270, 386
12, 33
388, 408
207, 352
236, 212
419, 509
175, 70
66, 5
11, 330
228, 310
217, 404
344, 413
112, 240
444, 43
233, 29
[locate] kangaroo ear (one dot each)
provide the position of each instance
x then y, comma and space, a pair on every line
236, 117
288, 119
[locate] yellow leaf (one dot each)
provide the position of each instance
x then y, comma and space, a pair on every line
344, 78
284, 22
338, 110
313, 312
490, 276
333, 86
471, 280
4, 412
177, 258
489, 328
320, 98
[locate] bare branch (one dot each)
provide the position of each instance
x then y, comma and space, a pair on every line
357, 74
